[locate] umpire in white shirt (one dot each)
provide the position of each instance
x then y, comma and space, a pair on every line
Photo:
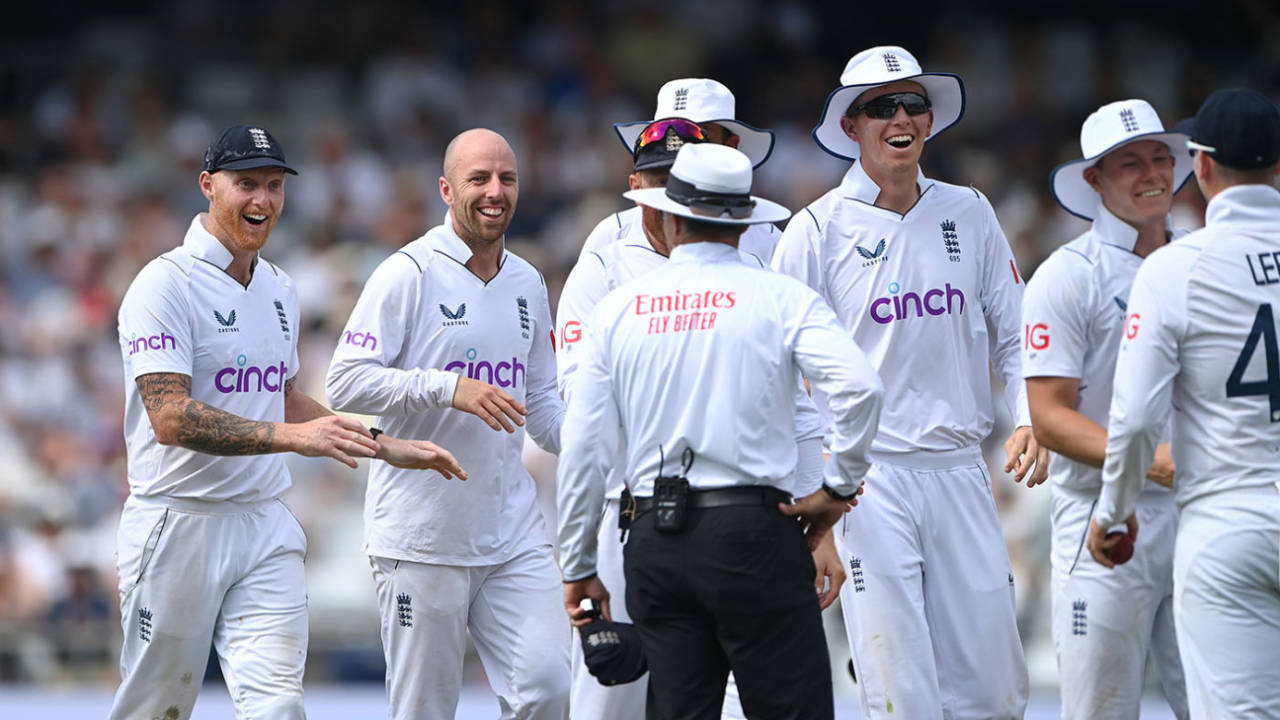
697, 363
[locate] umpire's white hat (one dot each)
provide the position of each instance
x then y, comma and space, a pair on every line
702, 100
711, 183
880, 66
1107, 128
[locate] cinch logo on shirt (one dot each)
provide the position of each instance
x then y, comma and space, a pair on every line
364, 339
935, 301
163, 341
503, 374
249, 378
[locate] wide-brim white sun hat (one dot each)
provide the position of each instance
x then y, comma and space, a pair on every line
702, 100
1105, 130
706, 181
881, 66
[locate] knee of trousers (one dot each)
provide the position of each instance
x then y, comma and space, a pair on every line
286, 706
544, 687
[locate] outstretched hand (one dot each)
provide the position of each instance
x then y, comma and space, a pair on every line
496, 408
419, 455
340, 438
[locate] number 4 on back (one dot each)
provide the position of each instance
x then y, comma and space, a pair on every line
1264, 327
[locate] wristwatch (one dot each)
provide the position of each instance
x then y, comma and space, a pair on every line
837, 496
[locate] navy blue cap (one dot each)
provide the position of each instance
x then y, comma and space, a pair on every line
1239, 128
242, 147
612, 651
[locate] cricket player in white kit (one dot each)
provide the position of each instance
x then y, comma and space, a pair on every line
641, 250
921, 276
450, 317
208, 552
1105, 623
700, 359
1200, 344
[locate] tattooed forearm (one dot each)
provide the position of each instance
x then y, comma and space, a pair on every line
157, 389
209, 430
178, 419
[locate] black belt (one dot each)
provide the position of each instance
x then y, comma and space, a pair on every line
726, 497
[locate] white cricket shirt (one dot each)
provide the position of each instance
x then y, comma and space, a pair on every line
933, 298
1072, 321
422, 320
184, 314
1201, 338
759, 240
705, 354
614, 264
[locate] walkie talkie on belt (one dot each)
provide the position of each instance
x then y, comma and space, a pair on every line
671, 494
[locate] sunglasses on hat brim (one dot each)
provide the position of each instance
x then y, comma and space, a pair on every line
1193, 146
658, 129
710, 205
886, 106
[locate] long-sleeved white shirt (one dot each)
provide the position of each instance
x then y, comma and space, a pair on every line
933, 297
422, 321
703, 355
1201, 339
625, 226
1073, 318
611, 265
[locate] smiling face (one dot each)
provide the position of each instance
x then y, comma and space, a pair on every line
244, 206
480, 185
895, 143
1135, 181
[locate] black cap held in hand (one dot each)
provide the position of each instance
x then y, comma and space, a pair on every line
612, 651
242, 147
1239, 128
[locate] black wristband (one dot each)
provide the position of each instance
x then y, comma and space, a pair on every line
837, 496
375, 432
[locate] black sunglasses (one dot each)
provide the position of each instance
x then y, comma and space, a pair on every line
886, 106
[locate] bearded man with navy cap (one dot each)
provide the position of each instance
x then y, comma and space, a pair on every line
208, 552
693, 368
1200, 347
923, 279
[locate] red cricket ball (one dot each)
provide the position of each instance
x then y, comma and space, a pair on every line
1121, 551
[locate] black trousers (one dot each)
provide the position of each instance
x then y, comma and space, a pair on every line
733, 590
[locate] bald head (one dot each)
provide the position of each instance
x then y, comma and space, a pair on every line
473, 143
480, 185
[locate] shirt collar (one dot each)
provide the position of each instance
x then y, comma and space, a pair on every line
444, 239
1114, 231
1244, 204
704, 252
858, 185
203, 245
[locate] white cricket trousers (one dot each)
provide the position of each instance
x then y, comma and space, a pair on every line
929, 603
589, 699
1106, 622
194, 572
515, 613
1226, 580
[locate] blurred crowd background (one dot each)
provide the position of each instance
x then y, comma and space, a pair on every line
105, 114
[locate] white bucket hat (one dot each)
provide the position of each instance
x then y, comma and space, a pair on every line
1109, 127
881, 66
712, 183
703, 101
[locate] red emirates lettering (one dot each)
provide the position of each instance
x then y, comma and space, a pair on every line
683, 322
685, 302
